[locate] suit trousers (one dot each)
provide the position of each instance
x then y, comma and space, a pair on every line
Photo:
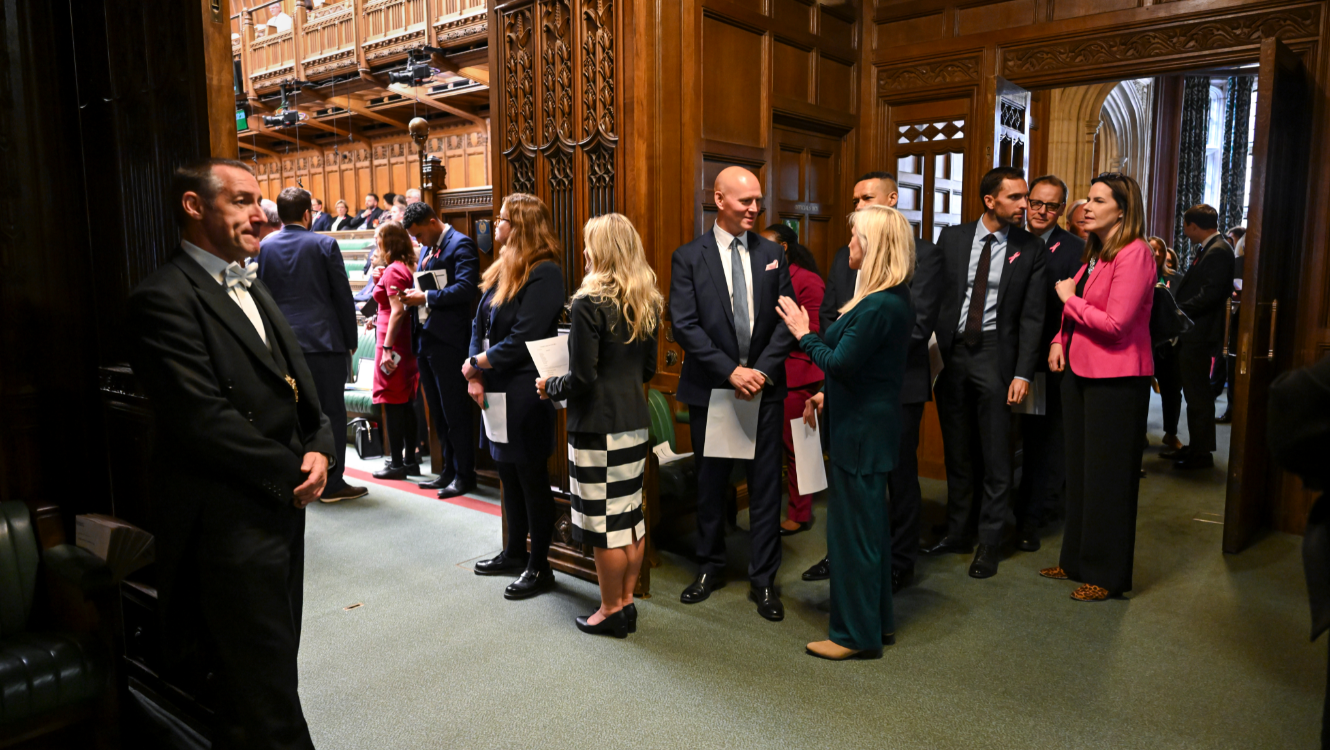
449, 407
1045, 473
528, 507
906, 498
330, 372
972, 409
1170, 385
713, 483
1194, 368
859, 550
801, 506
1105, 422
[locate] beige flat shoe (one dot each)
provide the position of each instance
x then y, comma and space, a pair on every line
835, 652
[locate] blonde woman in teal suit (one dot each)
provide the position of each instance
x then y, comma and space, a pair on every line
863, 356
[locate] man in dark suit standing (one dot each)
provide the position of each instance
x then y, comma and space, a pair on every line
319, 220
1203, 295
925, 291
369, 218
723, 292
1045, 465
307, 278
442, 342
241, 448
989, 332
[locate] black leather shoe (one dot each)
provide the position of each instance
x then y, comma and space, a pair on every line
1175, 453
901, 578
1195, 461
529, 584
391, 472
500, 565
615, 625
413, 466
436, 483
1028, 540
1225, 419
768, 602
949, 545
455, 488
820, 571
985, 563
803, 526
701, 588
630, 611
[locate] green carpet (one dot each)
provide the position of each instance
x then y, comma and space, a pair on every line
1208, 651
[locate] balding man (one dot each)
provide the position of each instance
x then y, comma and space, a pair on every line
723, 291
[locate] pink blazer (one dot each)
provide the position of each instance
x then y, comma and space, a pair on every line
1112, 337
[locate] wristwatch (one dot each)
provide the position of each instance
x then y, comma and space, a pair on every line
387, 348
474, 362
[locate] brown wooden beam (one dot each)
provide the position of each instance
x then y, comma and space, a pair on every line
350, 105
256, 149
329, 127
423, 97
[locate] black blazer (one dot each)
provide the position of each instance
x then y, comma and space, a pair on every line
1065, 251
1204, 291
604, 384
923, 294
703, 318
366, 222
452, 308
227, 420
341, 224
1021, 292
322, 222
306, 275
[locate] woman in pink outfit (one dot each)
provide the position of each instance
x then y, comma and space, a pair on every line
1105, 343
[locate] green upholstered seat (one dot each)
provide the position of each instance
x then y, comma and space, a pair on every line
678, 479
360, 401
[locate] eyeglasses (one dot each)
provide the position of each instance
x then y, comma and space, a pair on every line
1108, 176
1040, 206
498, 219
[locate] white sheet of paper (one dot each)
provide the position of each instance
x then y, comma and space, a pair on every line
666, 456
934, 360
496, 417
731, 425
808, 456
365, 374
551, 358
1036, 400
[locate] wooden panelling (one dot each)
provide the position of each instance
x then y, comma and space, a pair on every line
731, 83
994, 17
837, 34
793, 13
791, 71
910, 31
1074, 8
752, 6
789, 173
835, 85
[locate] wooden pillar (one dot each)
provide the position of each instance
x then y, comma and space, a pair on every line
1168, 136
220, 72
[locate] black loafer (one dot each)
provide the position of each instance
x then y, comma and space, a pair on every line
701, 588
1195, 461
1173, 454
985, 563
500, 565
456, 488
436, 483
803, 526
901, 578
768, 602
630, 611
1028, 540
391, 472
1225, 419
529, 584
949, 545
819, 572
615, 625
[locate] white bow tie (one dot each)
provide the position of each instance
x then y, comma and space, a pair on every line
243, 276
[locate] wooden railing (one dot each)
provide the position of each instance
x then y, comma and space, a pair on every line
329, 38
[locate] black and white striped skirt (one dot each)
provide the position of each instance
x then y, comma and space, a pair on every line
606, 486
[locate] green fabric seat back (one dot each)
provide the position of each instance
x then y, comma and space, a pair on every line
662, 422
361, 402
365, 346
19, 556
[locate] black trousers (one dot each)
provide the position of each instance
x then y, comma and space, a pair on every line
1105, 422
330, 371
1170, 386
972, 403
1194, 369
401, 433
1045, 474
713, 482
528, 507
903, 486
449, 407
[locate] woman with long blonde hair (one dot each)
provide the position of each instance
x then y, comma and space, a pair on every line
611, 353
863, 357
522, 297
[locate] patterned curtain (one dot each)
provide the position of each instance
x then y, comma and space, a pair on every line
1191, 158
1237, 117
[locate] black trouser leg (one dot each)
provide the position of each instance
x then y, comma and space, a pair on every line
526, 493
1170, 386
401, 433
713, 483
764, 494
954, 411
329, 371
1194, 367
514, 510
450, 409
903, 484
972, 404
1045, 465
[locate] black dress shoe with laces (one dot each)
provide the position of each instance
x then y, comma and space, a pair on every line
501, 565
820, 571
768, 602
701, 588
901, 578
1028, 540
615, 625
985, 563
391, 472
436, 483
456, 488
529, 584
949, 545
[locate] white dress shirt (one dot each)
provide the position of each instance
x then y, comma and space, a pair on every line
723, 240
997, 258
216, 268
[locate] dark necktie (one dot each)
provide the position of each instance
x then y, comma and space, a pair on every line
974, 320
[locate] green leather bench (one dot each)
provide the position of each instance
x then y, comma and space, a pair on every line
677, 480
359, 403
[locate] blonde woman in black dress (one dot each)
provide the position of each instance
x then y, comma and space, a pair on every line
611, 353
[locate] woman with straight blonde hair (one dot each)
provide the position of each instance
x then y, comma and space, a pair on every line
611, 353
863, 356
522, 298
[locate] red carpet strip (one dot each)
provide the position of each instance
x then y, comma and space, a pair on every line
463, 501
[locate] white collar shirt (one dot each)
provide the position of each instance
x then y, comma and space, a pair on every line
997, 259
216, 268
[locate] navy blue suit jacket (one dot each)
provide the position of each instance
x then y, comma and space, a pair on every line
307, 278
452, 308
322, 223
703, 318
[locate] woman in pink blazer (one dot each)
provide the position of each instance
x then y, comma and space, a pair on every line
1105, 343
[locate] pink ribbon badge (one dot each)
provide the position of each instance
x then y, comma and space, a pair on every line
1054, 248
1013, 258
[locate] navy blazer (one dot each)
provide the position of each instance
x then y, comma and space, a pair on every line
1020, 302
307, 277
451, 308
703, 319
322, 222
1065, 251
1204, 291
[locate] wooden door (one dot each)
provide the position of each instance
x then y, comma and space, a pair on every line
929, 160
1280, 156
1011, 126
805, 193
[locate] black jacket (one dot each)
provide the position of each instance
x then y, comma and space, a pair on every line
924, 294
364, 222
1065, 251
1021, 292
452, 308
1203, 293
604, 384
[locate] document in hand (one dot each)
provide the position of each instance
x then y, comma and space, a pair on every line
551, 358
495, 415
1036, 398
808, 456
934, 360
667, 456
429, 281
731, 425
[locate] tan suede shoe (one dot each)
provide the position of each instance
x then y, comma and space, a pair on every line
835, 652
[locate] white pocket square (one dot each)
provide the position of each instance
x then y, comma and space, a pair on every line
773, 265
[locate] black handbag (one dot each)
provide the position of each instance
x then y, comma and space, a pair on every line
369, 438
1167, 321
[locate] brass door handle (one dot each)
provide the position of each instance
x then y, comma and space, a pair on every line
1274, 317
671, 358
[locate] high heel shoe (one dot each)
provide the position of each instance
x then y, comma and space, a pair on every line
630, 611
616, 625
